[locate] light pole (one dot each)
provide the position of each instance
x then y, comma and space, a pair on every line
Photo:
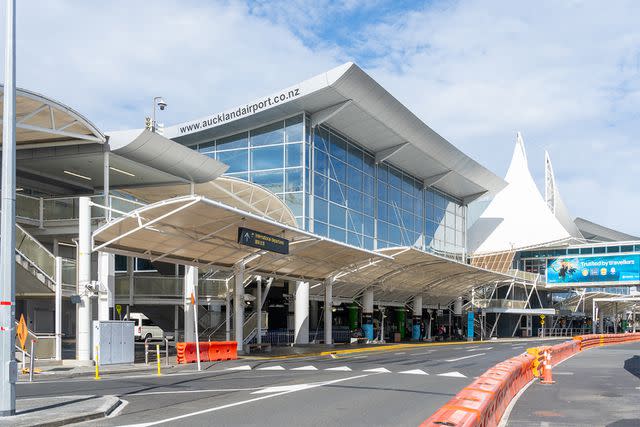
160, 102
8, 368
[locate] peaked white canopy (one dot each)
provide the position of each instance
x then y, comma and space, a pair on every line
554, 200
518, 216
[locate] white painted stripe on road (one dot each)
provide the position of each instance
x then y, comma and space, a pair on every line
359, 357
401, 352
211, 390
380, 370
479, 348
465, 357
517, 346
239, 368
453, 374
305, 368
271, 368
243, 402
339, 368
414, 372
421, 353
281, 388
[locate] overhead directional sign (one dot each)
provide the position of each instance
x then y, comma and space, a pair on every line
22, 332
259, 240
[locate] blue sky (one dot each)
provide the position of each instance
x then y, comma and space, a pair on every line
564, 73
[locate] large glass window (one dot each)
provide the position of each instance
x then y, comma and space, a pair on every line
238, 160
267, 135
267, 157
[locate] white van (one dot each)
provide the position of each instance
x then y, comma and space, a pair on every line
145, 328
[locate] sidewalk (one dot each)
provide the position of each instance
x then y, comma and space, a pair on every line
57, 411
598, 387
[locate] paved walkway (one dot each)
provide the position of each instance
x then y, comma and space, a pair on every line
598, 387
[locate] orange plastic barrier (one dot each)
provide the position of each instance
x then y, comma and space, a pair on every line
209, 351
483, 402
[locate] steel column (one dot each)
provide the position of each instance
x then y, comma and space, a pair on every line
58, 299
259, 308
238, 304
301, 313
328, 311
83, 335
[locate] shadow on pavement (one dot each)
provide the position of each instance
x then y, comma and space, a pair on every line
633, 366
630, 422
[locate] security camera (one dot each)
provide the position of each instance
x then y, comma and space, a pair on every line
162, 104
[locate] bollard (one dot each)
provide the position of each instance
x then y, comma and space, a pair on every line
166, 352
97, 377
146, 352
31, 362
24, 361
547, 375
158, 358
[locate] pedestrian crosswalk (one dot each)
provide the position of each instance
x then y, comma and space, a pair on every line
378, 370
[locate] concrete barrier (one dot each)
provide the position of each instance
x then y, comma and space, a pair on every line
483, 402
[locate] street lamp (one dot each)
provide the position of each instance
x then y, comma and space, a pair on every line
160, 102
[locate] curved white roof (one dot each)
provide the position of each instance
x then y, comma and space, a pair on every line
351, 102
554, 200
42, 121
518, 216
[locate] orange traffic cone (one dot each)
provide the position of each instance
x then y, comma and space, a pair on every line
547, 375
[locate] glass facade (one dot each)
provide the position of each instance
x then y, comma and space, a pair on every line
335, 188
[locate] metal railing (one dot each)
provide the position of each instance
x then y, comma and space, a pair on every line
152, 351
35, 252
562, 332
155, 286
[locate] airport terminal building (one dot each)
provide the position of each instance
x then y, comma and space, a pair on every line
320, 213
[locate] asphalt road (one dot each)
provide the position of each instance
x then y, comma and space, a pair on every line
597, 387
397, 387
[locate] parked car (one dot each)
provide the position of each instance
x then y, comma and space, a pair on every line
145, 328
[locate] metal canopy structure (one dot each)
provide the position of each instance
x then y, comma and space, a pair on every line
230, 191
194, 230
351, 102
412, 272
137, 158
43, 122
606, 302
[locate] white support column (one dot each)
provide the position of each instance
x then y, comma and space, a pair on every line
58, 299
328, 311
106, 278
83, 334
367, 314
615, 317
301, 314
238, 304
130, 268
594, 317
190, 288
259, 308
176, 322
227, 312
601, 320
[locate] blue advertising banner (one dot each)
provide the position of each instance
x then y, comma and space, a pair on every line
470, 316
605, 269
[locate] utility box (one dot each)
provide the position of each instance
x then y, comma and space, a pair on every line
114, 341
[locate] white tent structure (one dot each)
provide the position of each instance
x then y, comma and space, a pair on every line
554, 201
518, 216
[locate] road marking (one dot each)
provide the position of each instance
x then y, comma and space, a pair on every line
281, 388
305, 368
414, 372
239, 368
465, 357
211, 390
359, 357
453, 374
479, 348
380, 370
401, 352
271, 368
243, 402
563, 373
421, 353
517, 346
339, 368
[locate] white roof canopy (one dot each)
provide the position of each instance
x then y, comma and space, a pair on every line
350, 101
518, 216
195, 230
44, 122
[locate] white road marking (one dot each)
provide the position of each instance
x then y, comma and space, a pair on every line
517, 346
271, 368
401, 352
359, 357
453, 374
421, 353
339, 368
305, 368
479, 348
563, 373
380, 370
414, 372
239, 368
281, 388
211, 390
465, 357
243, 402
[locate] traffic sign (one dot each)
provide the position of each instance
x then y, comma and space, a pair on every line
542, 316
22, 332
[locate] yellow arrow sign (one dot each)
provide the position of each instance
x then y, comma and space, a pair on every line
22, 332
